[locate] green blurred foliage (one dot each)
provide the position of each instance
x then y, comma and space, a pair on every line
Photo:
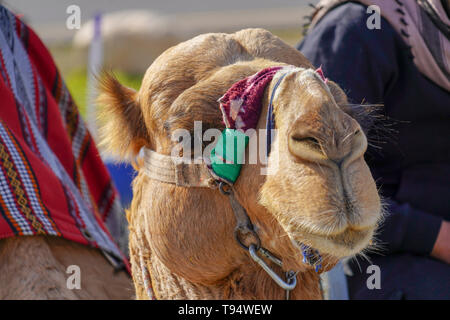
76, 81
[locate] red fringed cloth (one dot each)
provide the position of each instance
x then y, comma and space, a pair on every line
241, 105
52, 179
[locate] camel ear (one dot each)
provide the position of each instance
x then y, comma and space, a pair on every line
338, 93
121, 125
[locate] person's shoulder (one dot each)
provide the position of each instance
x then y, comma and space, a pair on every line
352, 18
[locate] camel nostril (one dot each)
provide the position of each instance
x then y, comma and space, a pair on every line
338, 161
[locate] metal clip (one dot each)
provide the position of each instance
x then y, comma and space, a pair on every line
288, 285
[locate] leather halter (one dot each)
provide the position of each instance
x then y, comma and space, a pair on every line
172, 170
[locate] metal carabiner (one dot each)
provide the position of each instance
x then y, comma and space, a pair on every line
286, 285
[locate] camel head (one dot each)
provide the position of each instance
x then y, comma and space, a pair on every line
319, 191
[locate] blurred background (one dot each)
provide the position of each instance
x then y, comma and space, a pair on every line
126, 36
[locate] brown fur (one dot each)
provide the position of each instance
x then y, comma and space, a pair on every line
122, 103
35, 267
185, 235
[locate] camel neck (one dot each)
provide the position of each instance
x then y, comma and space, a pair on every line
184, 262
247, 283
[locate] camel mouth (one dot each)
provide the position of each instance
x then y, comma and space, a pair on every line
344, 244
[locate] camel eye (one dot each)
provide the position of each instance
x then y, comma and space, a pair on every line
303, 139
357, 132
311, 142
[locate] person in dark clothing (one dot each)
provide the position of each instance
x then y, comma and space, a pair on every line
412, 167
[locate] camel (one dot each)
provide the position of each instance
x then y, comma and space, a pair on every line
37, 268
321, 195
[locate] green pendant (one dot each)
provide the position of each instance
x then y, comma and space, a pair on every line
228, 155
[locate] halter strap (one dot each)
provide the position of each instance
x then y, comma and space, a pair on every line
270, 122
176, 170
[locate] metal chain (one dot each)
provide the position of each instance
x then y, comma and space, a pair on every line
245, 228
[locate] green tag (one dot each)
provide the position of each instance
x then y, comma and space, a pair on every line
228, 154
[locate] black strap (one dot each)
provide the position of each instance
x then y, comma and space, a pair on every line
270, 122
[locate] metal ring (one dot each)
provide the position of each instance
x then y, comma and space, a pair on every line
291, 276
223, 190
237, 231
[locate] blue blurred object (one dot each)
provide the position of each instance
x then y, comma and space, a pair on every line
122, 175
